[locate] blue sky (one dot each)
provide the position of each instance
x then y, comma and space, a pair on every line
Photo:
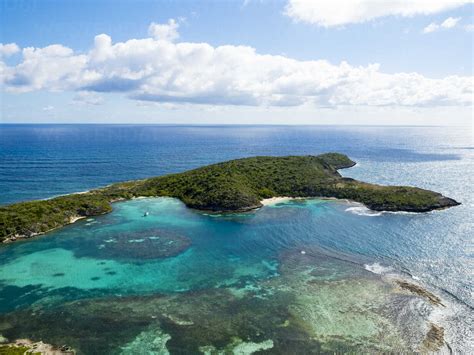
238, 62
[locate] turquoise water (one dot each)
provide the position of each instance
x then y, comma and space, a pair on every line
217, 255
313, 275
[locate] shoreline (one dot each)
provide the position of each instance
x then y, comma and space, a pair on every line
264, 202
18, 237
282, 199
224, 188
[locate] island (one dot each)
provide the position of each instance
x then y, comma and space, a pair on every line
232, 186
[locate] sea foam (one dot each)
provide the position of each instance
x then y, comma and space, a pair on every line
363, 211
378, 269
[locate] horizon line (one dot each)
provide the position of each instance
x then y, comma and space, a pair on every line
222, 124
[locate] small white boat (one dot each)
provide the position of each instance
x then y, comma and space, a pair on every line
146, 214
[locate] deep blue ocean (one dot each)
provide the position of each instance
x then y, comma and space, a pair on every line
318, 267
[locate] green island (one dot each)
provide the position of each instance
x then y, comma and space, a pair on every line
232, 186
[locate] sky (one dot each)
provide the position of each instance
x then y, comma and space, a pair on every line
384, 62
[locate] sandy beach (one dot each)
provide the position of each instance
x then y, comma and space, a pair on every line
280, 199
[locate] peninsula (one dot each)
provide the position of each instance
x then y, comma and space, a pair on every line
232, 186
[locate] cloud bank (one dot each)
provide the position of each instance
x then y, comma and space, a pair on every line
159, 70
329, 13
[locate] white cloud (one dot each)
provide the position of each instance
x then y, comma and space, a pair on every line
48, 108
432, 27
88, 98
450, 22
8, 49
167, 32
54, 67
329, 13
158, 70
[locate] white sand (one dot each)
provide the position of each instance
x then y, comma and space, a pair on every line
75, 218
280, 199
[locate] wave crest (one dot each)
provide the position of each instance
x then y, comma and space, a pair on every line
363, 211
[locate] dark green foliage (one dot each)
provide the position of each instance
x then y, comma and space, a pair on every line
30, 218
235, 185
336, 160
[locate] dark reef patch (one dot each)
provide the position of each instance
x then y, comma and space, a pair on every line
420, 291
434, 339
135, 245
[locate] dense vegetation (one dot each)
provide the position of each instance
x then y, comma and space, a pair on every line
235, 185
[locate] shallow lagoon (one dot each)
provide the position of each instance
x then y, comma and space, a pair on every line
316, 275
